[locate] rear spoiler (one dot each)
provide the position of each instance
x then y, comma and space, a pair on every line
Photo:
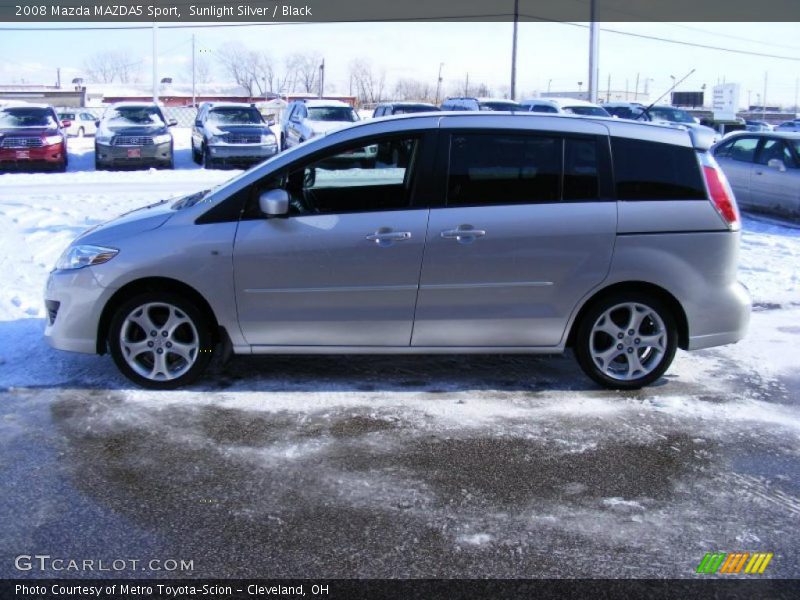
701, 139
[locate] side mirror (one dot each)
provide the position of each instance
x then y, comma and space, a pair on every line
172, 122
271, 121
295, 119
776, 163
198, 123
66, 123
274, 203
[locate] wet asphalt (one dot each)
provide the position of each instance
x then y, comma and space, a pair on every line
437, 466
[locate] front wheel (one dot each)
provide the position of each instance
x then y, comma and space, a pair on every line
160, 340
626, 340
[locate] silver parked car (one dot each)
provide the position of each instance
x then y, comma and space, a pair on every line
499, 233
763, 169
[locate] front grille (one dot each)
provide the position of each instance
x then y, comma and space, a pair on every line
22, 142
52, 310
242, 138
133, 140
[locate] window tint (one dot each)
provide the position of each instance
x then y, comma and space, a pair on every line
742, 149
361, 178
580, 170
654, 171
775, 149
503, 169
543, 108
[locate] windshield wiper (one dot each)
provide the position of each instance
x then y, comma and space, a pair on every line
190, 200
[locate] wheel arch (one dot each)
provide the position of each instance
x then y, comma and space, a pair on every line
636, 286
153, 284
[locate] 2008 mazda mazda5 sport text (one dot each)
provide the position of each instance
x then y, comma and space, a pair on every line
472, 233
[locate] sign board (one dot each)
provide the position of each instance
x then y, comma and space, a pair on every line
688, 99
725, 101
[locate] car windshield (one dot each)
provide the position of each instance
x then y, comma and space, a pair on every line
590, 111
402, 110
499, 106
26, 117
332, 113
235, 116
673, 115
67, 116
135, 115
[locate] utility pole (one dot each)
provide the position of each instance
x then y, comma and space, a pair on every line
58, 78
155, 62
514, 52
439, 83
608, 89
764, 104
636, 89
466, 86
594, 45
322, 79
194, 96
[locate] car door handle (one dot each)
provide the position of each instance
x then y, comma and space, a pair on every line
383, 237
463, 233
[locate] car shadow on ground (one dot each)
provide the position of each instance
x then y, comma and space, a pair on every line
41, 367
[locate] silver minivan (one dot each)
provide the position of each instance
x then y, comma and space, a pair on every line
495, 233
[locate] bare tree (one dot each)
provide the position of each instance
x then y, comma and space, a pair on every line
414, 89
369, 84
109, 66
254, 70
304, 70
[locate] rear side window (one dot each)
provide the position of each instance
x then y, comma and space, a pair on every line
500, 169
654, 171
742, 149
543, 108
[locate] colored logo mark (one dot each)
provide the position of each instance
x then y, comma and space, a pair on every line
735, 562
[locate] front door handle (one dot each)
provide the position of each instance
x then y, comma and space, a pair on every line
386, 237
463, 234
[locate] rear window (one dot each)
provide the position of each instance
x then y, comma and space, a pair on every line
653, 171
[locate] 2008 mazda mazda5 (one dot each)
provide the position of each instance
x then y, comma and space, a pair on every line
483, 233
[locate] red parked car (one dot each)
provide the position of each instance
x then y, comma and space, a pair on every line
31, 136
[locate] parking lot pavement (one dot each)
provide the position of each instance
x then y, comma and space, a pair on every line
440, 466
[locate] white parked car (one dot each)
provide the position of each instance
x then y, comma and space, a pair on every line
81, 123
572, 106
306, 119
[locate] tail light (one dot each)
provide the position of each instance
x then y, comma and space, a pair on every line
722, 196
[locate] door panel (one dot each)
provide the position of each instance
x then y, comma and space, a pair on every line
319, 280
517, 281
738, 175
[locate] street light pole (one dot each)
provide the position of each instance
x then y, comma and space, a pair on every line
594, 47
155, 62
514, 52
194, 95
439, 83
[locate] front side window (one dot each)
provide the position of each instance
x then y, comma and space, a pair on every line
499, 105
587, 111
543, 108
776, 149
646, 170
492, 169
369, 176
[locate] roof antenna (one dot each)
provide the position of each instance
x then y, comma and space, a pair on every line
674, 85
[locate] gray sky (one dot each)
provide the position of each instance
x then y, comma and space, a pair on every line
547, 51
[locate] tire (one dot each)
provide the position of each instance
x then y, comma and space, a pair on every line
196, 156
208, 162
81, 132
614, 357
149, 368
283, 142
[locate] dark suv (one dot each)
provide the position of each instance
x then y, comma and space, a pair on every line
389, 109
32, 136
231, 134
134, 134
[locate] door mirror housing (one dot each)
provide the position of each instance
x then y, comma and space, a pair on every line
172, 122
198, 123
776, 163
274, 203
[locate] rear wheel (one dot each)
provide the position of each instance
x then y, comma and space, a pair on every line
160, 340
626, 340
81, 132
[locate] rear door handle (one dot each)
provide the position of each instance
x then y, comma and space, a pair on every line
385, 237
463, 233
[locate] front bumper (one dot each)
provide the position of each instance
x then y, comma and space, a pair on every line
242, 153
74, 302
20, 158
155, 154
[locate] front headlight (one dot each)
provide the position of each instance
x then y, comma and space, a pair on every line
105, 140
84, 255
268, 139
52, 140
161, 139
214, 140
